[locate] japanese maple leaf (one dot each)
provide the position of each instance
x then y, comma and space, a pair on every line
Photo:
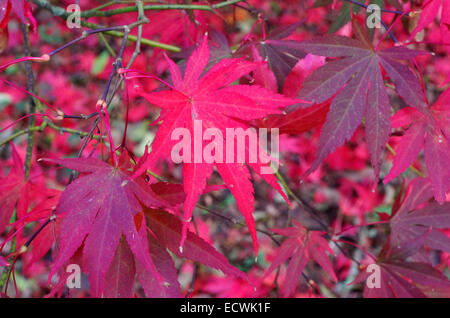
209, 99
412, 220
14, 190
301, 246
280, 53
432, 132
166, 232
430, 10
97, 209
125, 266
404, 280
356, 82
398, 278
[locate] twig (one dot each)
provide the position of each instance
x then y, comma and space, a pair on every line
306, 207
42, 127
30, 140
108, 13
60, 12
381, 21
236, 222
381, 9
33, 102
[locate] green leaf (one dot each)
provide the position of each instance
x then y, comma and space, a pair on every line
342, 18
100, 63
5, 100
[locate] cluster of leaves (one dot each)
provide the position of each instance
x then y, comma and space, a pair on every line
129, 214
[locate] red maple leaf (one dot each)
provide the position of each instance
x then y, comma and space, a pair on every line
166, 232
393, 276
209, 98
301, 246
403, 268
416, 216
355, 82
431, 132
14, 190
98, 208
405, 280
108, 224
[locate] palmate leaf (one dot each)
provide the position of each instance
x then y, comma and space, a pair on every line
357, 82
14, 191
166, 231
400, 278
431, 132
209, 98
126, 266
98, 209
301, 246
404, 272
409, 222
405, 280
103, 217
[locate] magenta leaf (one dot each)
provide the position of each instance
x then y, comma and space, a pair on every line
301, 246
107, 201
168, 230
206, 100
356, 85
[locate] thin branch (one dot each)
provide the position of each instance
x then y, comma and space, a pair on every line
306, 207
33, 102
30, 140
108, 13
381, 9
60, 12
381, 21
42, 127
236, 222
